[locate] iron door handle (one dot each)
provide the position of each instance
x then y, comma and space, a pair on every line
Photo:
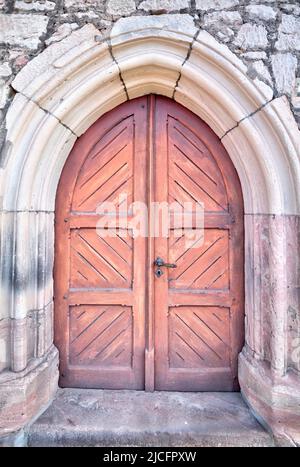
159, 262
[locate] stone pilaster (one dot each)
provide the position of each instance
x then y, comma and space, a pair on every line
270, 362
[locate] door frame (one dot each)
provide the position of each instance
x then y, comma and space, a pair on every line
63, 218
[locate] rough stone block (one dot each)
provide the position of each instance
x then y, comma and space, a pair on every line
16, 440
83, 4
87, 15
287, 7
289, 33
262, 71
222, 22
289, 24
284, 68
77, 43
162, 25
24, 395
5, 343
265, 1
5, 93
163, 5
251, 36
278, 405
296, 95
218, 18
22, 30
84, 417
120, 7
256, 12
206, 5
5, 70
225, 34
255, 55
62, 32
35, 6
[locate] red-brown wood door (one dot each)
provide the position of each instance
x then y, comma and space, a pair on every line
117, 324
198, 304
100, 280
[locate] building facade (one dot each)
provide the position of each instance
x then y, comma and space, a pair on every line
66, 65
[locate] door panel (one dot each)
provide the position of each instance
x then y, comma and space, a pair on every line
199, 337
100, 261
199, 267
198, 304
118, 325
101, 335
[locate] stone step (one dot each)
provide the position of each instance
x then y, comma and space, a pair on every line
85, 417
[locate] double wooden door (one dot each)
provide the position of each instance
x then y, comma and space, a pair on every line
119, 322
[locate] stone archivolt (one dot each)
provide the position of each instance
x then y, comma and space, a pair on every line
59, 94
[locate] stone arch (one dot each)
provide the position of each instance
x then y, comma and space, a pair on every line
59, 94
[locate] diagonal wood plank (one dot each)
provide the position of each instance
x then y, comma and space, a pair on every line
103, 337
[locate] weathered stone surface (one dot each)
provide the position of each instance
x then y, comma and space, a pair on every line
289, 34
120, 7
5, 324
289, 24
263, 12
16, 440
23, 395
222, 22
22, 30
35, 6
5, 93
296, 103
167, 25
136, 418
21, 59
163, 5
293, 279
90, 15
262, 71
5, 70
231, 18
251, 36
289, 8
225, 34
63, 31
284, 69
264, 1
206, 5
76, 44
255, 55
83, 4
278, 405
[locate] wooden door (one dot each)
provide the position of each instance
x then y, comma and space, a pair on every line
198, 304
100, 280
117, 324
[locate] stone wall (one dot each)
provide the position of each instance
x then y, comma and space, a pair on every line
264, 34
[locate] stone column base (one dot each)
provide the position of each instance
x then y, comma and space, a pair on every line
274, 400
26, 394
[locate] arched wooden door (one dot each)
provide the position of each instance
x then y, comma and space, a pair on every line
118, 324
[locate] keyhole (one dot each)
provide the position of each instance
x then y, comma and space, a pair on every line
158, 272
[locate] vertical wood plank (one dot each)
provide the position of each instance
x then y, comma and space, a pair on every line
150, 351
